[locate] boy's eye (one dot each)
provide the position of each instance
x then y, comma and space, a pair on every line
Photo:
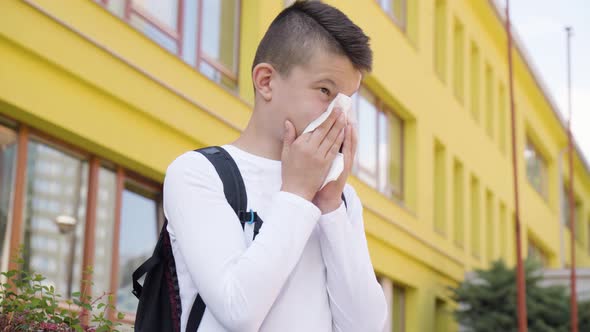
325, 91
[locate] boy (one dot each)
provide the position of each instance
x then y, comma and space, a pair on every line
309, 268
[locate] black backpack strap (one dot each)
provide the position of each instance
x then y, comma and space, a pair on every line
229, 173
149, 264
235, 193
196, 315
140, 271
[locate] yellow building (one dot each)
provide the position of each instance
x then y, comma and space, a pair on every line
98, 97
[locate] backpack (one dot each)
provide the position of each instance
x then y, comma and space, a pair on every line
159, 306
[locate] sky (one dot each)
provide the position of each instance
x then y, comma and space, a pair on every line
540, 24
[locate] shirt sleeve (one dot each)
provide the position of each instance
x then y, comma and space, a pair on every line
238, 284
357, 301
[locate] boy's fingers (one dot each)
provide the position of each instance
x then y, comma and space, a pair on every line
336, 145
320, 132
333, 135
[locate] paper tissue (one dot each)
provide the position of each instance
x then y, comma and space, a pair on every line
344, 102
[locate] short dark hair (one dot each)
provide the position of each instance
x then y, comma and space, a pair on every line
306, 26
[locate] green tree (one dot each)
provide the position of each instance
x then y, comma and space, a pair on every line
487, 302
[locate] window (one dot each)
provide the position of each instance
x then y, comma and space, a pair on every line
459, 203
399, 309
396, 9
578, 219
565, 209
55, 215
536, 168
475, 218
204, 33
474, 86
443, 315
489, 101
439, 188
8, 148
56, 187
395, 296
219, 36
502, 118
459, 60
537, 253
511, 243
440, 39
490, 229
105, 225
503, 232
379, 160
158, 20
139, 230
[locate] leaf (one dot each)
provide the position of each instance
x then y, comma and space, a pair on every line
103, 328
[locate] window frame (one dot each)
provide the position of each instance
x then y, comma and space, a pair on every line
177, 36
73, 152
403, 307
535, 251
26, 134
5, 250
459, 60
389, 287
400, 22
538, 155
360, 171
440, 40
129, 180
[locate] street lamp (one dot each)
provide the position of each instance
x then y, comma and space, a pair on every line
67, 225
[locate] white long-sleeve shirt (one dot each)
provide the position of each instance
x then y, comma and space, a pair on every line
303, 272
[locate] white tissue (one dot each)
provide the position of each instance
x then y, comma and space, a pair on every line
344, 102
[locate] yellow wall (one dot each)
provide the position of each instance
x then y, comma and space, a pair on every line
76, 72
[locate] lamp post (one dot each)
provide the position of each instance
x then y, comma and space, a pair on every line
67, 226
571, 207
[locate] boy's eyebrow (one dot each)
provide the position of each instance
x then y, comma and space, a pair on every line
326, 80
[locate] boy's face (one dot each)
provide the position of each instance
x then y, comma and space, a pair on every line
308, 89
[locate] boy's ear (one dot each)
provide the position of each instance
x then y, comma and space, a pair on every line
262, 76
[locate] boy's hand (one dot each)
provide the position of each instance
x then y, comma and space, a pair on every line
306, 159
330, 197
